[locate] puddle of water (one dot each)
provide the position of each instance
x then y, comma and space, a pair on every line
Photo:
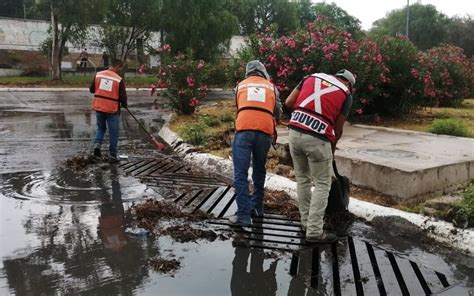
62, 231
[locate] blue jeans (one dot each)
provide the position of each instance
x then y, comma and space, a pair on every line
112, 121
249, 145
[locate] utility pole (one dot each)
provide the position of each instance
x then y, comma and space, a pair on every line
408, 19
24, 11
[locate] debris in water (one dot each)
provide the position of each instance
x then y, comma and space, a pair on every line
185, 233
81, 161
162, 265
150, 212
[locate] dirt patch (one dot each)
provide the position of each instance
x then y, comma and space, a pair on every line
279, 202
373, 196
339, 222
164, 266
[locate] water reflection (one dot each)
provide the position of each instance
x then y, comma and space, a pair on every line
75, 255
256, 281
111, 220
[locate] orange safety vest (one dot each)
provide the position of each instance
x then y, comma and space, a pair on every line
255, 101
106, 96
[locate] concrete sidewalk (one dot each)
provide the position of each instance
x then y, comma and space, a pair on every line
402, 163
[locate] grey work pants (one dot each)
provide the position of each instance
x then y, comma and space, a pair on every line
312, 159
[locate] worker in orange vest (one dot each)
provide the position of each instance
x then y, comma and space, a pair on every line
109, 94
258, 105
321, 104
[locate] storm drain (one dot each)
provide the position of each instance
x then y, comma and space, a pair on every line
166, 172
351, 266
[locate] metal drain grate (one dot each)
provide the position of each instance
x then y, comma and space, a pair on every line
349, 267
167, 173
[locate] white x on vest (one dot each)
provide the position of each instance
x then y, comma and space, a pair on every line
318, 92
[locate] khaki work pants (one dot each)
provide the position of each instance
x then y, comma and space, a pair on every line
312, 159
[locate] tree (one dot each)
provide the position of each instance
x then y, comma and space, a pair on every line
257, 15
338, 16
427, 26
128, 26
200, 26
460, 32
69, 22
305, 12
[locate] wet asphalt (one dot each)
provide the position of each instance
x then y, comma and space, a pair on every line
62, 229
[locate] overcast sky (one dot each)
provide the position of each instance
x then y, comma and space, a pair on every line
368, 11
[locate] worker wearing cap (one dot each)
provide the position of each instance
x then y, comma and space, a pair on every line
110, 93
320, 104
258, 106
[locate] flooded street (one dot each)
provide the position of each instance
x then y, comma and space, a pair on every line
62, 229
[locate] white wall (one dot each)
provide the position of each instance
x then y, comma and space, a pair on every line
19, 34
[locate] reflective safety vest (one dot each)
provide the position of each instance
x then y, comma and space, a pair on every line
106, 96
255, 101
318, 105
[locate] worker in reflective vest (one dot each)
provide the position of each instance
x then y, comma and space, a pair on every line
320, 104
109, 94
258, 105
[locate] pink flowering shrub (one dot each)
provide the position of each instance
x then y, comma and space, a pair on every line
451, 74
393, 77
408, 85
320, 47
184, 79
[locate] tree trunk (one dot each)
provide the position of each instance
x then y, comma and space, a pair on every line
55, 54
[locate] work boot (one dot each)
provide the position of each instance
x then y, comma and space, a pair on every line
235, 221
325, 238
113, 158
97, 152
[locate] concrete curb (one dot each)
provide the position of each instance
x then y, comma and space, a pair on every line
444, 232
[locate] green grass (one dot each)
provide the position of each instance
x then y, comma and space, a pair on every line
449, 126
210, 120
422, 119
69, 81
467, 203
194, 133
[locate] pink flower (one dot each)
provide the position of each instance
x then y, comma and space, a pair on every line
378, 59
194, 102
290, 43
414, 72
359, 111
190, 81
370, 87
364, 101
328, 56
153, 89
272, 58
161, 84
267, 39
164, 48
200, 65
345, 53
